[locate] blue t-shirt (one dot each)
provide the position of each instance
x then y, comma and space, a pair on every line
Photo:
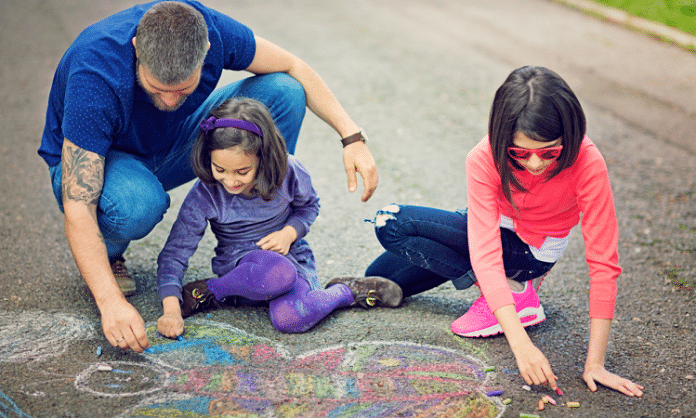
96, 102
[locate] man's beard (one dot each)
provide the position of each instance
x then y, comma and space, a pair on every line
155, 99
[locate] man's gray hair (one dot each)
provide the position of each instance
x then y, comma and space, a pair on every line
172, 41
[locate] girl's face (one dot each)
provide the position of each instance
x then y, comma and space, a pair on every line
534, 164
235, 169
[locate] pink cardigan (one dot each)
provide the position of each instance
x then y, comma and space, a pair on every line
549, 209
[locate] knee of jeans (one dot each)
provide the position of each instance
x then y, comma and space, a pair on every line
134, 217
290, 88
387, 213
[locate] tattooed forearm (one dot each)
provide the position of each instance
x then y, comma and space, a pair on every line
83, 174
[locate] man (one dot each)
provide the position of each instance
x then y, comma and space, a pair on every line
123, 112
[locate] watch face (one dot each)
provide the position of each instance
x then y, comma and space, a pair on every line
364, 135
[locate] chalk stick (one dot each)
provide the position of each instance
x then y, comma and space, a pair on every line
541, 405
527, 388
104, 368
507, 401
489, 369
99, 351
559, 391
529, 415
495, 392
180, 338
573, 404
551, 400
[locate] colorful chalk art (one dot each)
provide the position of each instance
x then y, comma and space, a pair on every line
220, 371
217, 370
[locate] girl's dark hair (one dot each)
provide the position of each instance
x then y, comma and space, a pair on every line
269, 149
536, 102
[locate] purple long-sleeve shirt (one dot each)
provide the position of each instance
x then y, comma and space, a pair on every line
238, 222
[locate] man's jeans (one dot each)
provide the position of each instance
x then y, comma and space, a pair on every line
134, 198
426, 247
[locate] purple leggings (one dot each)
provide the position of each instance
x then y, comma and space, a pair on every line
293, 305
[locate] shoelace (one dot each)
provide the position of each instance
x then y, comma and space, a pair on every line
119, 269
480, 305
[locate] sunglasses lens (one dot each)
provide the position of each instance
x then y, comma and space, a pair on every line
519, 153
550, 154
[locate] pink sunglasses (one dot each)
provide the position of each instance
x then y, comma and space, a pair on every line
544, 153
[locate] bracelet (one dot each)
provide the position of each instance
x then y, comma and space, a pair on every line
360, 136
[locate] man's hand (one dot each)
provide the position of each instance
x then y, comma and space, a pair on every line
123, 326
358, 158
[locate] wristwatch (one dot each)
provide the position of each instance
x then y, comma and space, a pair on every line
359, 136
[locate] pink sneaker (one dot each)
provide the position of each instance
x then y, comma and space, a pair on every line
479, 321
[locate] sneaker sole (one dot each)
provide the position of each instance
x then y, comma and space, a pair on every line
528, 317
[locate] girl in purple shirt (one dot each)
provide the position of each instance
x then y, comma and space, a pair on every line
259, 203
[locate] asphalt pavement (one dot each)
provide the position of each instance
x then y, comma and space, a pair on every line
419, 77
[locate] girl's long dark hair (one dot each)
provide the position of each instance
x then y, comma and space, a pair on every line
536, 102
269, 149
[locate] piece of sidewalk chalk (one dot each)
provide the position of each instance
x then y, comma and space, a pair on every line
529, 415
551, 400
104, 368
507, 401
180, 338
488, 369
573, 404
495, 392
99, 351
541, 405
559, 391
527, 388
148, 350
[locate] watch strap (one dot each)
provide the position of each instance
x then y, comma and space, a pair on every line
352, 138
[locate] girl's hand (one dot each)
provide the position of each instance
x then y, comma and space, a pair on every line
597, 373
279, 241
170, 325
534, 367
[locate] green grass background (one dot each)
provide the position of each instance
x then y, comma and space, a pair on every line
679, 14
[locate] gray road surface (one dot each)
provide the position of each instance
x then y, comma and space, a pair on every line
419, 76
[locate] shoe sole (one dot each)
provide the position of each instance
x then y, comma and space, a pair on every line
528, 317
128, 290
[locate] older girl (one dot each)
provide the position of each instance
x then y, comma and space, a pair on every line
528, 183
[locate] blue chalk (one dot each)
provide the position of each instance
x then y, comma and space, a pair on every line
148, 350
495, 392
99, 351
180, 338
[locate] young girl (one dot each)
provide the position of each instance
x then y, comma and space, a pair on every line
260, 203
528, 182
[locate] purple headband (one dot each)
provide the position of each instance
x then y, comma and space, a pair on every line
213, 123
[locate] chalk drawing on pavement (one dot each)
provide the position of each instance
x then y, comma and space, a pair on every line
218, 370
36, 335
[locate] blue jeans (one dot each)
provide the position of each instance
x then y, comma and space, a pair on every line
427, 247
134, 197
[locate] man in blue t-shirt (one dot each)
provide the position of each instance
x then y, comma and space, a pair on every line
123, 112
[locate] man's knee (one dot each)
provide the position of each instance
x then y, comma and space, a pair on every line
131, 216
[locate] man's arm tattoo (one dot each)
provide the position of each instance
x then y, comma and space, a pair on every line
83, 174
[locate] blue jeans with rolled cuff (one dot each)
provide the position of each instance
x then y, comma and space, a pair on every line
134, 197
427, 247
